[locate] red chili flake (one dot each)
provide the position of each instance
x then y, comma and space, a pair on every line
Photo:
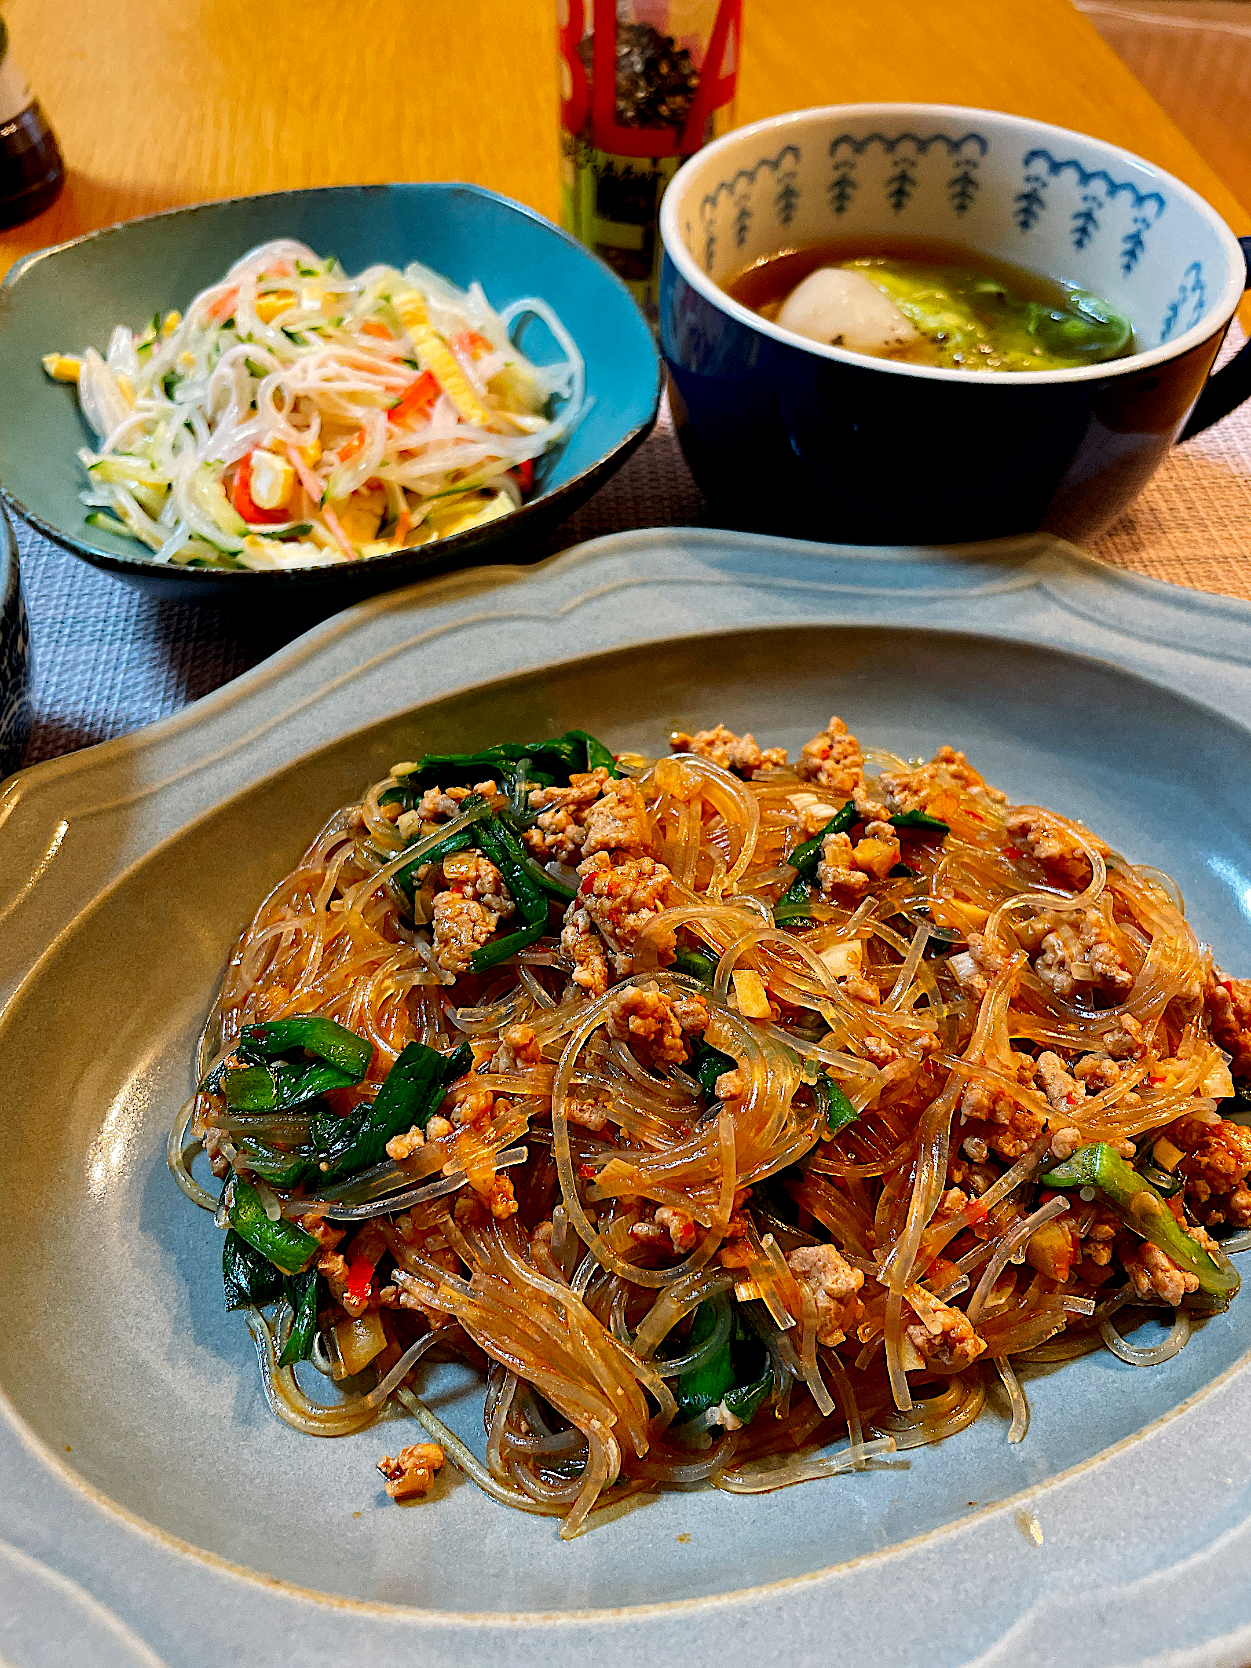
360, 1275
588, 1172
588, 882
975, 1211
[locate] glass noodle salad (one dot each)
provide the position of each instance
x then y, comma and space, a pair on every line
297, 417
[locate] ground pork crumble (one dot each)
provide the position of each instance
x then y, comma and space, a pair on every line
833, 1284
722, 747
468, 896
410, 1475
1049, 842
461, 926
832, 759
913, 790
847, 871
943, 1335
615, 902
1217, 1169
1229, 1010
654, 1025
596, 812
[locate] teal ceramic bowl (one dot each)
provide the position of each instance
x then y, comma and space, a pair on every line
15, 666
65, 298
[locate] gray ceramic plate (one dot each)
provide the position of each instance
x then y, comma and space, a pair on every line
137, 1458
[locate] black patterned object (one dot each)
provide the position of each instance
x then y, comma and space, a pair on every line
15, 709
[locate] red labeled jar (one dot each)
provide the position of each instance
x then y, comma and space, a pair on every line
644, 83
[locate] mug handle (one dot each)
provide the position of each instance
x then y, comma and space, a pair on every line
1227, 387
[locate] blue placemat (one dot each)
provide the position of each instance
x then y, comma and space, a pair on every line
109, 658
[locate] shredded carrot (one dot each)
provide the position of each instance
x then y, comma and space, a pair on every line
336, 527
403, 522
224, 305
373, 327
351, 447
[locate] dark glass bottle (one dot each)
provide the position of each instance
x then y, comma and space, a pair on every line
31, 170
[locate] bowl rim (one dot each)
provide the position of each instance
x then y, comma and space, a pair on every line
402, 561
1218, 318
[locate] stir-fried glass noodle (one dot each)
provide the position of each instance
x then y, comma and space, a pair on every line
296, 417
738, 1119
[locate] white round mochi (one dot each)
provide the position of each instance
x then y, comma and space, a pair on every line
845, 309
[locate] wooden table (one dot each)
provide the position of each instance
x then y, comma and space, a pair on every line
162, 102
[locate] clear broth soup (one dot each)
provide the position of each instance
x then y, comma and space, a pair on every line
945, 306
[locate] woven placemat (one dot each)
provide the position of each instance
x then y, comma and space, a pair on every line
108, 658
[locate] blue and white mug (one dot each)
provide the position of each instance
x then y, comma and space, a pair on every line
786, 433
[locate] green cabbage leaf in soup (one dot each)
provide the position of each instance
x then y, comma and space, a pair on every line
972, 321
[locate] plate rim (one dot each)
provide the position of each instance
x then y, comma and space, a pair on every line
391, 1609
438, 588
